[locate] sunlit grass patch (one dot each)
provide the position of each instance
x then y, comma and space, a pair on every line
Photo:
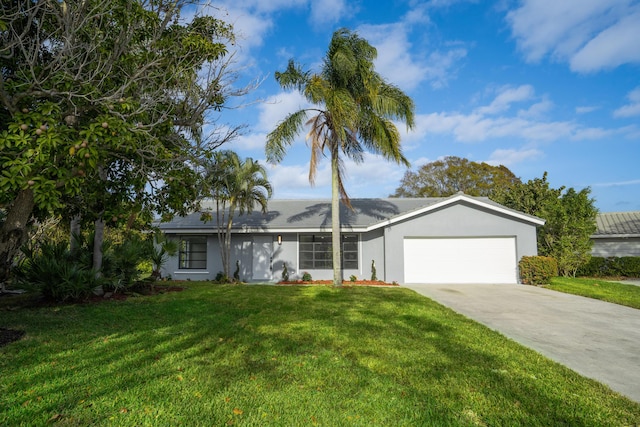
266, 355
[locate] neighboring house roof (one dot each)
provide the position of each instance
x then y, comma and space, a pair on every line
315, 215
617, 224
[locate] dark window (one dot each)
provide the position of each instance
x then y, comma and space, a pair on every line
193, 252
315, 252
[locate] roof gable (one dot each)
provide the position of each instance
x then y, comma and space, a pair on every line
315, 215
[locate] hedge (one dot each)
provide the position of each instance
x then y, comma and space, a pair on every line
628, 266
537, 270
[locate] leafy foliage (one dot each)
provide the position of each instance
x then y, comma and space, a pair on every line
611, 267
237, 186
56, 273
102, 104
452, 174
537, 270
570, 219
353, 112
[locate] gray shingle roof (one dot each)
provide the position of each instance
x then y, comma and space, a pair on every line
618, 224
303, 214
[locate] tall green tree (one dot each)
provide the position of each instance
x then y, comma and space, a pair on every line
353, 112
102, 105
570, 219
237, 187
452, 174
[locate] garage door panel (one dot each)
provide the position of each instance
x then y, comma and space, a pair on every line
460, 260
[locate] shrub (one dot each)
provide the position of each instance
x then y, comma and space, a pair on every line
353, 278
53, 271
121, 263
611, 267
306, 277
374, 277
221, 278
537, 270
285, 273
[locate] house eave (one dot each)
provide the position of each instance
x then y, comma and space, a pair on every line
454, 199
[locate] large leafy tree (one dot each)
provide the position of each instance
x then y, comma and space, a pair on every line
237, 186
102, 105
452, 174
353, 112
570, 219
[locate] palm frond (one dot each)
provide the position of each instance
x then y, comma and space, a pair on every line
284, 135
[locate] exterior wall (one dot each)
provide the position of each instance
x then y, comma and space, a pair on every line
241, 250
372, 250
616, 247
287, 253
214, 264
460, 220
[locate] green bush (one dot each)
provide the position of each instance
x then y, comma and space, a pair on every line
306, 277
611, 267
54, 272
353, 278
121, 264
537, 270
285, 273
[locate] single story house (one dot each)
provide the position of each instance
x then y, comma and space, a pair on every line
617, 235
457, 239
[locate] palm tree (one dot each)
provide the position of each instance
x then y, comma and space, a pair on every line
237, 186
353, 113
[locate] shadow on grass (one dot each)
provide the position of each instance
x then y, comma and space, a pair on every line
338, 356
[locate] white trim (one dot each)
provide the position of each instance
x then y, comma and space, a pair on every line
454, 199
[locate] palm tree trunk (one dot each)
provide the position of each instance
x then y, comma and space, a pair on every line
335, 219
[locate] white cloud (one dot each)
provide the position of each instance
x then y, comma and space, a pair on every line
397, 60
475, 127
617, 184
614, 46
328, 11
585, 109
277, 107
588, 34
509, 157
632, 108
507, 96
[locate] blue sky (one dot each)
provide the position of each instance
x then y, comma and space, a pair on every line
535, 85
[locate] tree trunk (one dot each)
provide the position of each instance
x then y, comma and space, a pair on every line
14, 231
98, 233
335, 220
74, 234
227, 245
98, 239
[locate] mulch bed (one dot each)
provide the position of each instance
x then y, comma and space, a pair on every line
7, 336
344, 282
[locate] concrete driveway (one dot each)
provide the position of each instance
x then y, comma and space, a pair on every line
597, 339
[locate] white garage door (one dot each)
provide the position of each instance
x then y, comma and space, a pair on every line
460, 260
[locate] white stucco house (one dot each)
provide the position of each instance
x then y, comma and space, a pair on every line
458, 239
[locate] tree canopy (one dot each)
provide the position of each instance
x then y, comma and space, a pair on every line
570, 219
353, 112
452, 174
102, 105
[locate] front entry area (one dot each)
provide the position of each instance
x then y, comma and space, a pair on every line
460, 260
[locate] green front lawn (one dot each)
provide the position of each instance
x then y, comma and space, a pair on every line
617, 293
284, 356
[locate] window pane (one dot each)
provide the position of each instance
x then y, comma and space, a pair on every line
193, 252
